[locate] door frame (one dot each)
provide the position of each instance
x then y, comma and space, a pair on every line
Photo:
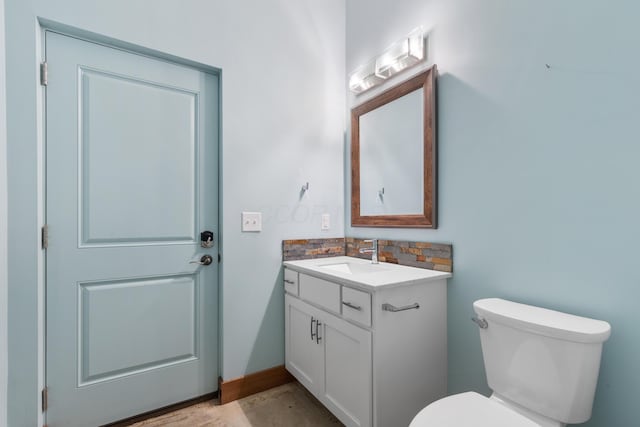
44, 25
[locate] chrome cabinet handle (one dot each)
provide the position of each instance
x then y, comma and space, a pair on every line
318, 337
204, 260
313, 335
394, 309
352, 305
291, 282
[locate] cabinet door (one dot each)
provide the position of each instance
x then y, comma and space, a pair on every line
304, 356
348, 371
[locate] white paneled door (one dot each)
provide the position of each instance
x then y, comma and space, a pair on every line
131, 183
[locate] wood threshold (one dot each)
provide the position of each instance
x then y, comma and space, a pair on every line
161, 411
253, 383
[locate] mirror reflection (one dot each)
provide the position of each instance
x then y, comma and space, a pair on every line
391, 154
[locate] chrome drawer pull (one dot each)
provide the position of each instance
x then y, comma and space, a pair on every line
318, 337
291, 282
313, 335
393, 308
352, 305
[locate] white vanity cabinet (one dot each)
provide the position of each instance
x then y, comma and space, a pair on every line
331, 358
371, 367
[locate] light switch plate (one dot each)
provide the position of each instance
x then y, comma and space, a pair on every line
251, 221
325, 222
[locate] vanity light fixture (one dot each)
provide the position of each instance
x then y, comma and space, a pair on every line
402, 54
399, 56
364, 77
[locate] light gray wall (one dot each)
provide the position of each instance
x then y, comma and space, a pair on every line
3, 228
538, 165
283, 107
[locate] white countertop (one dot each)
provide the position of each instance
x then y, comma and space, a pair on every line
364, 274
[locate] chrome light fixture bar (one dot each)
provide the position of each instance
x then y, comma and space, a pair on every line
399, 56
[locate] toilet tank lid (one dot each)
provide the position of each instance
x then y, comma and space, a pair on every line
543, 321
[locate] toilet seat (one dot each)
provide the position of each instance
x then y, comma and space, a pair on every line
469, 410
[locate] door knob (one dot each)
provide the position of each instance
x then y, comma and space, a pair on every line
204, 260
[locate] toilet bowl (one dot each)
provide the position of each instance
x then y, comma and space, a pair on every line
541, 364
470, 409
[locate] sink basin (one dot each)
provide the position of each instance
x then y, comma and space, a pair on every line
353, 268
360, 273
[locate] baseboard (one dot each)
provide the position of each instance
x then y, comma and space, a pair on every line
253, 383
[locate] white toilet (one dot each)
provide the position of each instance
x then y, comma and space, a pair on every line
542, 366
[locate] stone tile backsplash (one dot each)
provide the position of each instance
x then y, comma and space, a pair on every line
432, 256
312, 248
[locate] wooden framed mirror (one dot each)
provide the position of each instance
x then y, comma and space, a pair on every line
393, 156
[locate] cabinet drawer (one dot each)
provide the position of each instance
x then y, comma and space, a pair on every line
291, 281
356, 305
321, 292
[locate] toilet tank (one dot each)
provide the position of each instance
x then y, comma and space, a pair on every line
544, 360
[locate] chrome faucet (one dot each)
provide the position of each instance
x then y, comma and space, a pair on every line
373, 250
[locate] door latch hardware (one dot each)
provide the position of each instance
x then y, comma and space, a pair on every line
204, 260
206, 239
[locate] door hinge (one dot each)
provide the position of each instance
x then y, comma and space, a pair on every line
45, 236
219, 258
44, 74
45, 399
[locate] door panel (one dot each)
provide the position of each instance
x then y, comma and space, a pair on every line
115, 206
348, 371
131, 178
112, 347
303, 355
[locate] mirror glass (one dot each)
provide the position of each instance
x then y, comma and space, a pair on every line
391, 153
393, 157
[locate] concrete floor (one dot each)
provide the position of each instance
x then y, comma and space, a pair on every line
284, 406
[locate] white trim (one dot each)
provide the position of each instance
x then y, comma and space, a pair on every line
4, 351
40, 135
